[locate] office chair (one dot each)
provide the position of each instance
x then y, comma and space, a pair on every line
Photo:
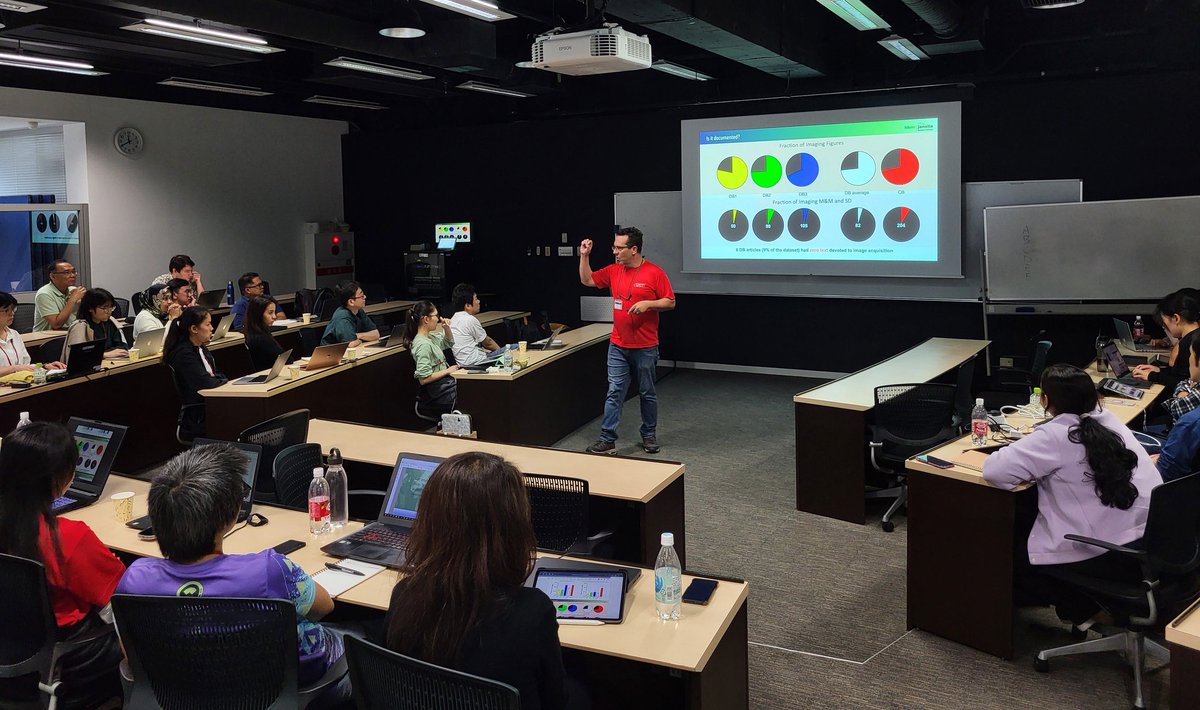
121, 307
560, 514
1169, 555
293, 473
23, 318
190, 422
136, 302
385, 679
310, 338
964, 398
275, 435
212, 652
52, 349
1011, 385
327, 307
907, 420
28, 644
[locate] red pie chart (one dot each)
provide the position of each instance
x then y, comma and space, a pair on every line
900, 166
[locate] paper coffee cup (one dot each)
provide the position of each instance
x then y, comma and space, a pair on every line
293, 372
122, 506
134, 354
306, 318
523, 345
351, 353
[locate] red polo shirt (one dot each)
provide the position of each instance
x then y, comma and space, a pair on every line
629, 285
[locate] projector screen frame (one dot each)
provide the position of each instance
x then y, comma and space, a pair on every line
949, 181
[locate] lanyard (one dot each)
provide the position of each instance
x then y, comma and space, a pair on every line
632, 280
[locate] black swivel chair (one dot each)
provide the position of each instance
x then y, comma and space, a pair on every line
52, 349
121, 307
136, 302
28, 645
1169, 555
292, 471
384, 679
310, 338
1012, 385
964, 397
560, 514
908, 419
210, 652
275, 435
190, 422
23, 318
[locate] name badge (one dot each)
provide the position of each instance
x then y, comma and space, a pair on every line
617, 304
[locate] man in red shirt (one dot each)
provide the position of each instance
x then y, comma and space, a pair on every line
640, 290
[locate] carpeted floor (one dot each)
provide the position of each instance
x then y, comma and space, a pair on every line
827, 598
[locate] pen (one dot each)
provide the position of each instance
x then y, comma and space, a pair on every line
339, 568
580, 622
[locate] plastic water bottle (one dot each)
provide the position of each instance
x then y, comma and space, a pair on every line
1035, 403
668, 580
979, 424
39, 375
24, 420
339, 497
318, 503
229, 294
1139, 328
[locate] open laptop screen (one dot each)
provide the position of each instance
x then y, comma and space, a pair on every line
408, 482
96, 446
250, 471
1116, 362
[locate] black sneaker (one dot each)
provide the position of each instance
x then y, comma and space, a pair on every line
650, 444
602, 447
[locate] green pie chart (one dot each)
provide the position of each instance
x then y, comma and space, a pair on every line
732, 172
766, 171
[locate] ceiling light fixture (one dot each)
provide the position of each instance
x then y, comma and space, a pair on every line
351, 103
1049, 4
17, 6
375, 68
402, 21
479, 9
903, 48
203, 35
856, 13
679, 70
214, 86
63, 66
491, 89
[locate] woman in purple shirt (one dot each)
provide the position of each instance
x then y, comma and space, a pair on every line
1093, 479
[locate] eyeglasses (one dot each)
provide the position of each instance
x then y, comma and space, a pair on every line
257, 285
361, 297
69, 272
617, 247
105, 308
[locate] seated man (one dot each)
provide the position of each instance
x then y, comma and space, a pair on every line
181, 266
194, 502
181, 293
250, 285
350, 324
1181, 451
471, 342
55, 303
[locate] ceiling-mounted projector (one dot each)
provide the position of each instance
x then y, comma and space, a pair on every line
604, 50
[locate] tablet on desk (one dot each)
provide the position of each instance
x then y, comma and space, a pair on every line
587, 595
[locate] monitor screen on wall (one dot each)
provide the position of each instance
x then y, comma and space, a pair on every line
33, 236
855, 192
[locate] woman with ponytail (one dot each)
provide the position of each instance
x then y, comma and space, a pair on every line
428, 335
1093, 479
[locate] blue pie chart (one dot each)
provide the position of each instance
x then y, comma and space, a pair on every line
802, 169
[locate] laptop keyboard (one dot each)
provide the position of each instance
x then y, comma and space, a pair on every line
60, 502
387, 537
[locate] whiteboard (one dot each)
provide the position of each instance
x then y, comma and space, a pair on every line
660, 217
1122, 250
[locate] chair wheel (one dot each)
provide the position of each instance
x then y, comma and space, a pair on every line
887, 526
1041, 665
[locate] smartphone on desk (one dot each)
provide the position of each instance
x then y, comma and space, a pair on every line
935, 461
142, 523
699, 591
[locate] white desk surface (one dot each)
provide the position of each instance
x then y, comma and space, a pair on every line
921, 363
573, 340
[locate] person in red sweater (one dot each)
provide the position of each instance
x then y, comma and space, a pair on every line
37, 463
640, 290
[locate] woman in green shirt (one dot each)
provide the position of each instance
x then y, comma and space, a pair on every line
427, 336
95, 323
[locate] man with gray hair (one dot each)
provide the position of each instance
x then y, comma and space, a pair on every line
194, 503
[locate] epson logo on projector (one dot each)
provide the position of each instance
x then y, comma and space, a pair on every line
566, 48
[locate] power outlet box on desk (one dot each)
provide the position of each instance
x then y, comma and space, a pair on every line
1007, 362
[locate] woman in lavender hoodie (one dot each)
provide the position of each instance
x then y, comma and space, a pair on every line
1093, 479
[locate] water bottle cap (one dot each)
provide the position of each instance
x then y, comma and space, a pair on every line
24, 415
979, 402
668, 539
335, 457
1037, 390
318, 472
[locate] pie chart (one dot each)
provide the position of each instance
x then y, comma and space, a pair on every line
858, 168
901, 224
734, 225
766, 171
900, 166
858, 224
802, 169
804, 224
732, 173
768, 224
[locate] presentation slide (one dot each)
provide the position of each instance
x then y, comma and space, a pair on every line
860, 192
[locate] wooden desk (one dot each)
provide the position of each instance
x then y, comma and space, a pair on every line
35, 339
958, 522
706, 651
1183, 637
831, 425
653, 489
560, 391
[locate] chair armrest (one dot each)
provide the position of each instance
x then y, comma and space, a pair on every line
336, 672
1139, 554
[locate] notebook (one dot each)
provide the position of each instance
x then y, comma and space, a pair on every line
96, 445
385, 541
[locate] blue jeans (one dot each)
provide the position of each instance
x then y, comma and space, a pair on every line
620, 362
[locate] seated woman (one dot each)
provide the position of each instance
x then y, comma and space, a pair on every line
427, 336
1181, 451
160, 310
260, 314
192, 364
1093, 478
462, 602
194, 502
95, 323
1179, 314
37, 464
13, 355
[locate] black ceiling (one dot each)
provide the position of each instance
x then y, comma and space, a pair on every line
751, 48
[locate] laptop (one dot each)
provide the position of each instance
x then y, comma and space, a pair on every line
393, 338
82, 359
222, 328
281, 362
326, 356
249, 473
1120, 368
96, 445
385, 541
549, 343
1125, 334
150, 342
211, 299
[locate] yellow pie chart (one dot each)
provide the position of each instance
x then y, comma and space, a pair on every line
732, 172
